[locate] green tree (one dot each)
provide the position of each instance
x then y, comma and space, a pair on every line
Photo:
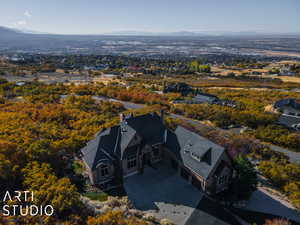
204, 68
246, 179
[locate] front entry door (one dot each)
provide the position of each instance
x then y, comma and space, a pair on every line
147, 159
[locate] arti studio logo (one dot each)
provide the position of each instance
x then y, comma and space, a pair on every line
23, 205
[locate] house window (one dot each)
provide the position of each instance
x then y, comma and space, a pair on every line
195, 156
222, 179
104, 170
131, 161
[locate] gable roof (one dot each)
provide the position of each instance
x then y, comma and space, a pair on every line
101, 147
112, 142
149, 126
195, 152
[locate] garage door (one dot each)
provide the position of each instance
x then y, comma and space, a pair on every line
196, 183
184, 173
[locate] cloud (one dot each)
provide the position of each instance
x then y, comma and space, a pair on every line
27, 14
19, 23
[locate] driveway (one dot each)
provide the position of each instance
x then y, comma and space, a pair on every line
262, 201
162, 192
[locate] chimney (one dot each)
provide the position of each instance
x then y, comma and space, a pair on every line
162, 115
122, 117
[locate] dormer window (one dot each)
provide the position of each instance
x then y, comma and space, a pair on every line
187, 148
195, 156
186, 151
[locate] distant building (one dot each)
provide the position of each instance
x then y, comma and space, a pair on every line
286, 71
290, 109
288, 106
182, 88
140, 141
205, 98
20, 83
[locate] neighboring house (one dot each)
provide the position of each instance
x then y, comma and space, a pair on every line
286, 71
139, 141
288, 106
182, 88
199, 99
290, 109
206, 98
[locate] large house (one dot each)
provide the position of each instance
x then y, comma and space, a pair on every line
139, 141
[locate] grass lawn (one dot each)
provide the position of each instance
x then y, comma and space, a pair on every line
96, 196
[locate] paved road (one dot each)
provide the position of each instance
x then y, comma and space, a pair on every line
293, 156
263, 201
127, 105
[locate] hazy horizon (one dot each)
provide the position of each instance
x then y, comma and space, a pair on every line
164, 16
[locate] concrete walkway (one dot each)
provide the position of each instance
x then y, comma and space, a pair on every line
162, 192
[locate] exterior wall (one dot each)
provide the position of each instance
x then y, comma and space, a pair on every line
128, 171
89, 172
139, 157
98, 179
91, 176
209, 185
226, 172
156, 158
136, 140
212, 182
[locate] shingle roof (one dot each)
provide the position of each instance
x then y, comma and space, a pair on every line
112, 142
195, 152
149, 127
288, 102
288, 121
101, 147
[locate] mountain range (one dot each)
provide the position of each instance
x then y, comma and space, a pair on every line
12, 40
12, 31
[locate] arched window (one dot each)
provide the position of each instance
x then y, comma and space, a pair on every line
104, 170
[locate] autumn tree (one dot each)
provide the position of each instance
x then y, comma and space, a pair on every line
50, 190
277, 222
115, 218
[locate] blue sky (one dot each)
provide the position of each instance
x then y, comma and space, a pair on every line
102, 16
